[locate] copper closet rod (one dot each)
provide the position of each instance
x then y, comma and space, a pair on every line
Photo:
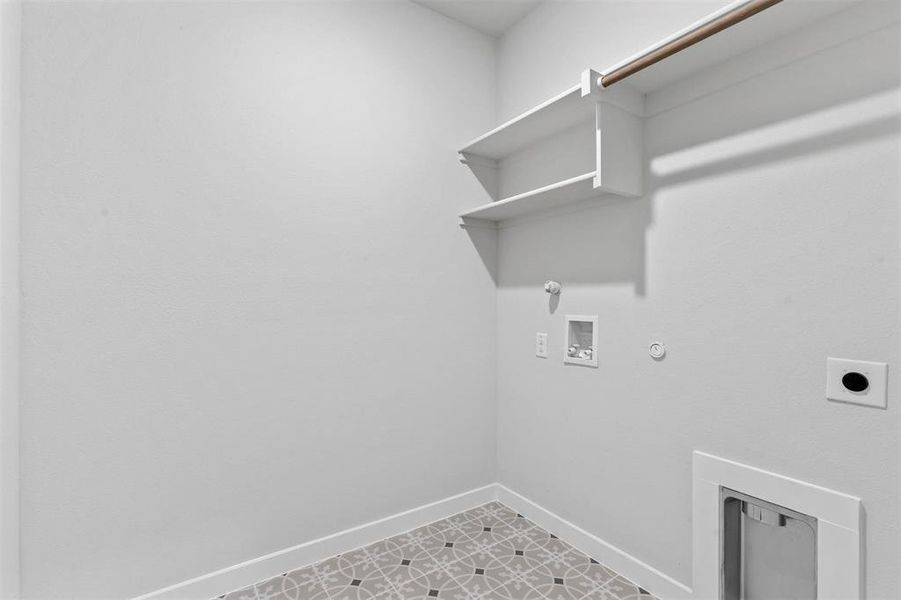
690, 38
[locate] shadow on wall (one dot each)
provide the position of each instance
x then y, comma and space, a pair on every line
795, 110
484, 238
588, 244
845, 136
798, 109
798, 88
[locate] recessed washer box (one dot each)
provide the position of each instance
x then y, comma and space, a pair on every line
856, 381
581, 337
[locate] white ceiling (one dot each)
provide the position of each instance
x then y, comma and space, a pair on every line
493, 17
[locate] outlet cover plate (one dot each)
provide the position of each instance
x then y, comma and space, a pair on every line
875, 372
541, 345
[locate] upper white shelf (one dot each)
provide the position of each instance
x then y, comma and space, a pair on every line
599, 128
565, 110
560, 112
615, 113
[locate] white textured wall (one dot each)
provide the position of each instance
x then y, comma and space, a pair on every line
767, 241
10, 121
250, 316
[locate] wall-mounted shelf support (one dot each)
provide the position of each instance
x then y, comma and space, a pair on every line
583, 143
542, 159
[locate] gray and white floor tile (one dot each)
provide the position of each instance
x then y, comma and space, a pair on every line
487, 553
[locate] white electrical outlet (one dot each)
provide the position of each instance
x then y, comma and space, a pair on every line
856, 381
541, 345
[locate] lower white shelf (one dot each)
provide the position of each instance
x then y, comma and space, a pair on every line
548, 197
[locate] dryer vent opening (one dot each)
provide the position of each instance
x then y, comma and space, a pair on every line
767, 551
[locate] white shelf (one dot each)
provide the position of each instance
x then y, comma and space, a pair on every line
542, 149
608, 136
616, 113
567, 109
560, 112
551, 196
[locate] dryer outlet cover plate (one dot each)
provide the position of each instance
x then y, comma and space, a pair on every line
876, 374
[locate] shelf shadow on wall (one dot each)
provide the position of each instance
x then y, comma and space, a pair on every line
595, 242
798, 88
769, 112
885, 126
484, 239
778, 115
604, 242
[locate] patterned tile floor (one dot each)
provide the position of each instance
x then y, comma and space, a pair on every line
487, 553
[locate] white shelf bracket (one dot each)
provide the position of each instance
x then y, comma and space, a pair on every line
591, 83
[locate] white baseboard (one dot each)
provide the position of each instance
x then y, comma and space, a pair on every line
282, 561
661, 585
258, 569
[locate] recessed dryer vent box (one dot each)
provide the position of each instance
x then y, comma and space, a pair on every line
581, 337
767, 552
